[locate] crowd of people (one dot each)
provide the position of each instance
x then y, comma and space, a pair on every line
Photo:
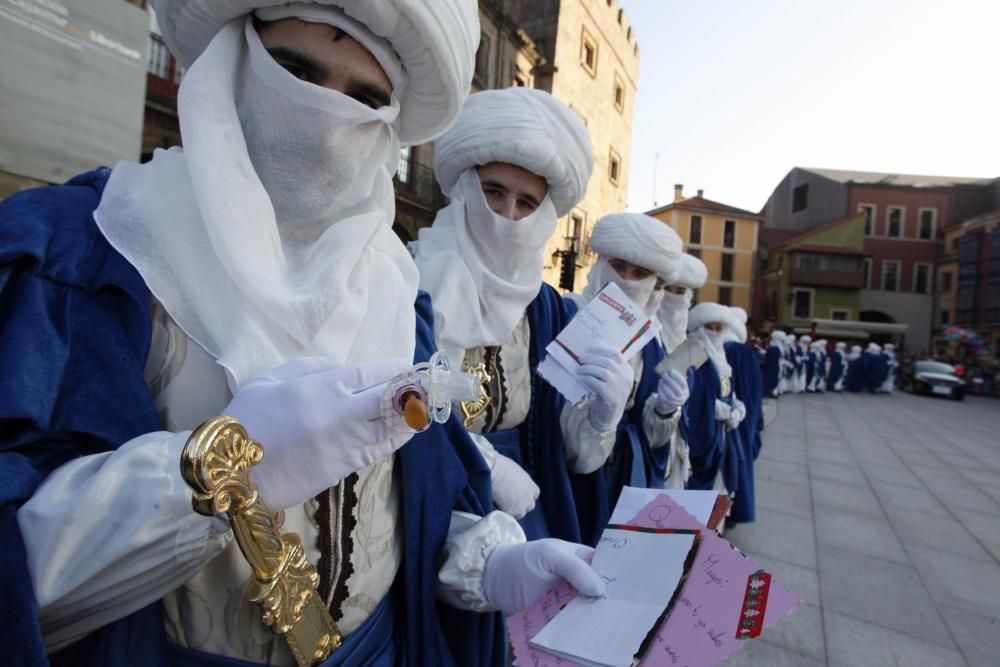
254, 274
805, 365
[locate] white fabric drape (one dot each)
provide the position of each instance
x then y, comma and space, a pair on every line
269, 236
481, 269
673, 316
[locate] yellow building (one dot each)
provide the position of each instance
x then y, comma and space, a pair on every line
722, 236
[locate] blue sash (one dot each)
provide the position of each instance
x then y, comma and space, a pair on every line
373, 644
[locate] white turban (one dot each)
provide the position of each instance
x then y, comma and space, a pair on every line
641, 240
874, 348
841, 345
435, 40
703, 314
525, 127
738, 324
693, 273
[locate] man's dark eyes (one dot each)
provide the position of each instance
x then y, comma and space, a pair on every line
297, 72
364, 99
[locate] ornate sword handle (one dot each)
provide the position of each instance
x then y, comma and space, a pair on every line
216, 464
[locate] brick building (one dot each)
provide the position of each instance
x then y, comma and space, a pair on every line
904, 215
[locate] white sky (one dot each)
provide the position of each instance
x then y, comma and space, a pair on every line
734, 93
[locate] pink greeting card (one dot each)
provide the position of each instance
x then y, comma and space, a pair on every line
725, 601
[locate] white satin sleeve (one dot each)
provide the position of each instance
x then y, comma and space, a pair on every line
471, 539
586, 448
485, 447
658, 429
108, 534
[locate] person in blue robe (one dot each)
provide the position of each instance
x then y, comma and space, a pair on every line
513, 163
772, 364
712, 414
838, 368
856, 378
748, 387
873, 367
811, 366
80, 329
640, 255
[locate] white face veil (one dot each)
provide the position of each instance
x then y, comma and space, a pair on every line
482, 269
602, 273
673, 315
269, 236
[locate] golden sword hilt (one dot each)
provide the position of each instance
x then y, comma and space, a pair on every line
216, 464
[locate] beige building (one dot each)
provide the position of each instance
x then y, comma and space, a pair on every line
592, 64
723, 237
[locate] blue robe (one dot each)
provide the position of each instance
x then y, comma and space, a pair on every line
811, 359
705, 436
836, 370
772, 370
873, 367
748, 387
74, 337
856, 379
567, 502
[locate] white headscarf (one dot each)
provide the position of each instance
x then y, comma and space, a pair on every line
481, 269
855, 352
673, 310
525, 127
874, 348
434, 40
713, 341
269, 237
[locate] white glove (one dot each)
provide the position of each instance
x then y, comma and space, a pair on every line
671, 393
737, 414
513, 489
606, 373
722, 410
516, 575
314, 428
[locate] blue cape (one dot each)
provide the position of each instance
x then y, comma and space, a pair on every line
812, 360
836, 369
772, 370
856, 375
705, 436
874, 369
74, 336
748, 386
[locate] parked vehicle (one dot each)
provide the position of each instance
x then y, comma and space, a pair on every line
933, 378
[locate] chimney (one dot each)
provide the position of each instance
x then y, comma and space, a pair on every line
678, 191
701, 193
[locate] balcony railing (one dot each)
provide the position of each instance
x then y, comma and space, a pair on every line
820, 278
415, 183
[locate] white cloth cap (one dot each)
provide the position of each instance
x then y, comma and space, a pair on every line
874, 348
525, 127
703, 314
641, 240
693, 273
738, 323
707, 312
841, 346
436, 41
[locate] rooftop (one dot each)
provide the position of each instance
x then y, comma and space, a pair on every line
884, 178
705, 205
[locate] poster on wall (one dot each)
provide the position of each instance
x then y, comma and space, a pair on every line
72, 86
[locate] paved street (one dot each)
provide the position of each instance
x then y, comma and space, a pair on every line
883, 514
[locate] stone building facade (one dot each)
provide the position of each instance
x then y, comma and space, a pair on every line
592, 64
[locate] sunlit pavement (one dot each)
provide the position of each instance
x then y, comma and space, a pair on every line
883, 514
